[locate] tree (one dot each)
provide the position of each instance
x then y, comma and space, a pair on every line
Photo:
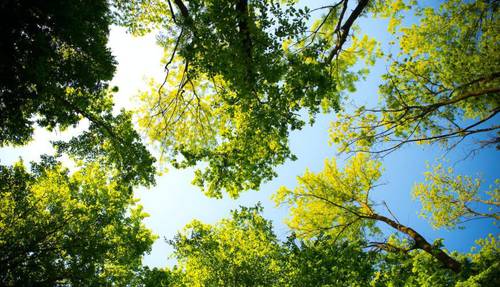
222, 111
485, 263
418, 268
154, 277
62, 228
443, 85
241, 251
238, 76
55, 72
113, 143
449, 200
244, 251
442, 89
323, 262
337, 201
55, 64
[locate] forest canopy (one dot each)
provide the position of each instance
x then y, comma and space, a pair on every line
240, 77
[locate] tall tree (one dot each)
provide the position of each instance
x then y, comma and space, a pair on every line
55, 63
443, 85
241, 251
338, 201
324, 262
449, 200
54, 71
238, 76
71, 229
154, 277
244, 251
418, 268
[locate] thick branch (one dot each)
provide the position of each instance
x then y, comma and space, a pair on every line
389, 247
421, 243
435, 106
344, 31
94, 119
182, 8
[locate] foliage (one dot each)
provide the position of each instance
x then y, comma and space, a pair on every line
420, 269
61, 228
153, 277
235, 87
442, 86
338, 202
239, 76
208, 258
485, 264
113, 142
449, 200
57, 228
244, 251
55, 73
54, 57
332, 200
415, 269
321, 262
241, 251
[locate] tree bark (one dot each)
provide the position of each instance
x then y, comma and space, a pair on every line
344, 30
421, 243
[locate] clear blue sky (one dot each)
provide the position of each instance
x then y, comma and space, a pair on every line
174, 202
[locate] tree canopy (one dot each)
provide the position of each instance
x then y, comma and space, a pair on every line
56, 72
60, 228
244, 251
442, 85
241, 251
240, 76
337, 201
54, 63
449, 200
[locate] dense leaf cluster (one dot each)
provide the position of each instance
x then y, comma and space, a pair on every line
239, 76
442, 86
71, 229
54, 62
243, 251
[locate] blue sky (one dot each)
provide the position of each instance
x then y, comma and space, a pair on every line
174, 202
